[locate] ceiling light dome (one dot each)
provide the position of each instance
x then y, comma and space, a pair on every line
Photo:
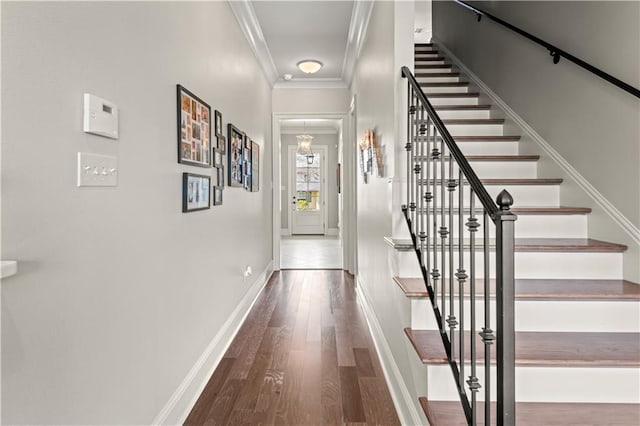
309, 66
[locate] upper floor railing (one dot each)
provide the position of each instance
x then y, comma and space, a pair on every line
455, 255
554, 51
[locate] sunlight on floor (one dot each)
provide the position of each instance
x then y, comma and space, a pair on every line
310, 252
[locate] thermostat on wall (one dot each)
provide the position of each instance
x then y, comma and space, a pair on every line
100, 116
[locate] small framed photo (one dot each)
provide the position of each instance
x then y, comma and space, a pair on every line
217, 195
255, 167
246, 166
218, 120
235, 139
217, 157
194, 129
220, 177
222, 144
195, 192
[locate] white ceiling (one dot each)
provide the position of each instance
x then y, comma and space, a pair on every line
306, 29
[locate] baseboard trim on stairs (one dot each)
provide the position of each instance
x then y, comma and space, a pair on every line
406, 407
625, 224
185, 396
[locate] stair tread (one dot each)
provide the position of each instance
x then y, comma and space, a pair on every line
518, 157
478, 138
559, 245
432, 66
435, 58
450, 413
522, 181
452, 95
446, 84
437, 74
537, 348
461, 107
422, 44
472, 121
544, 289
550, 210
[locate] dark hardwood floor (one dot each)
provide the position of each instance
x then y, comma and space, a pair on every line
304, 356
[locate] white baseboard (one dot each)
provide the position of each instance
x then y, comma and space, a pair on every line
405, 405
625, 224
333, 231
184, 398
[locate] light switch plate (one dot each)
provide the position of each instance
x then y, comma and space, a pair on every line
100, 116
97, 170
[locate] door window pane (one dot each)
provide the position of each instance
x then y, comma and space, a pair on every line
307, 182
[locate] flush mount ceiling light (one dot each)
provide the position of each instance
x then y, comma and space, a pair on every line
309, 66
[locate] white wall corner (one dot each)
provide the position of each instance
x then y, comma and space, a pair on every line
248, 21
355, 39
406, 407
185, 396
617, 220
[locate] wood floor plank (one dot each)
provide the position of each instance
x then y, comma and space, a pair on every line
363, 362
352, 408
378, 407
331, 397
201, 409
302, 355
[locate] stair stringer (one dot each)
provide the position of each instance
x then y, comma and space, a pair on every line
606, 222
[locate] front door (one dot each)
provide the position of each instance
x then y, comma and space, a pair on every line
307, 195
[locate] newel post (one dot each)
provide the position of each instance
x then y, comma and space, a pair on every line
505, 302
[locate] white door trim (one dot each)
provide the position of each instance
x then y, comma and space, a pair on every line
348, 177
323, 195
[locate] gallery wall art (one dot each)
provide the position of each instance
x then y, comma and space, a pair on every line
255, 164
235, 152
195, 192
194, 129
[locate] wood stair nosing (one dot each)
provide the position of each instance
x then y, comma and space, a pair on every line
461, 107
543, 289
510, 181
487, 158
537, 348
450, 413
537, 211
446, 84
432, 66
503, 138
437, 74
433, 59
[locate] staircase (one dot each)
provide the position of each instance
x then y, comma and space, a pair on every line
577, 321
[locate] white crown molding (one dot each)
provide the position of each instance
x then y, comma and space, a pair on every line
357, 32
308, 130
246, 16
310, 83
620, 219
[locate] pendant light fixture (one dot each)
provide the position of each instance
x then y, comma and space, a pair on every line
304, 142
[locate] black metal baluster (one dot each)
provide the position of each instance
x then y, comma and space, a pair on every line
451, 321
487, 333
422, 235
428, 199
444, 232
409, 148
435, 274
461, 275
473, 382
417, 165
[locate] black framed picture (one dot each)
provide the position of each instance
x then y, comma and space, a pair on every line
235, 140
255, 167
222, 144
217, 195
218, 123
246, 165
195, 192
220, 177
217, 157
194, 129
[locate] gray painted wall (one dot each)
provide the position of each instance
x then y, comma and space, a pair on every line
592, 124
331, 142
119, 293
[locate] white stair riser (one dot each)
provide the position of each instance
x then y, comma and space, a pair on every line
422, 61
482, 113
454, 101
449, 68
548, 384
527, 226
446, 89
455, 79
568, 316
425, 54
546, 265
475, 129
489, 148
494, 169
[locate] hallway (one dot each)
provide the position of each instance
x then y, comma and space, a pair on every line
303, 356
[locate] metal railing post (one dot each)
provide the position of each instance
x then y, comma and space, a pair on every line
505, 324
